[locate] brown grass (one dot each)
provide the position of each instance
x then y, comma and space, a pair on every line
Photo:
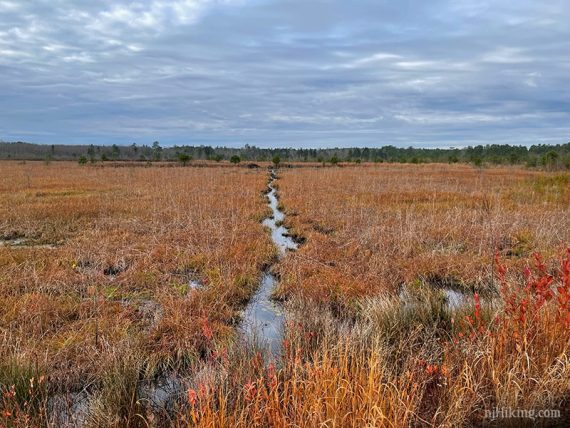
354, 353
374, 229
155, 228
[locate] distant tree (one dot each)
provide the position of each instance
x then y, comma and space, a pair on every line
208, 151
477, 161
532, 162
115, 152
566, 161
550, 158
235, 159
156, 151
184, 158
546, 156
334, 160
91, 153
104, 157
82, 160
276, 160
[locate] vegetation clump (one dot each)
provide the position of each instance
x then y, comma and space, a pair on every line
418, 298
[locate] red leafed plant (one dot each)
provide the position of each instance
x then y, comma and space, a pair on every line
542, 294
541, 287
539, 307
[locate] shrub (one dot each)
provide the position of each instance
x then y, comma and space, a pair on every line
550, 158
532, 162
235, 159
184, 158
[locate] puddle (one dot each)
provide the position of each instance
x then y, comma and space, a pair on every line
279, 233
68, 410
25, 243
195, 284
163, 394
263, 318
454, 299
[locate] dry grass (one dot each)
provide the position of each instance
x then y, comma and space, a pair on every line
354, 353
128, 241
401, 366
375, 228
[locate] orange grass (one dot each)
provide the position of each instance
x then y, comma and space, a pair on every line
156, 228
348, 374
354, 354
375, 228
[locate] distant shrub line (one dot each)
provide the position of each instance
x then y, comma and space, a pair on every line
540, 155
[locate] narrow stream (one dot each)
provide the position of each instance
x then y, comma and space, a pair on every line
263, 318
262, 324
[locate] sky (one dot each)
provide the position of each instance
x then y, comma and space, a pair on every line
285, 73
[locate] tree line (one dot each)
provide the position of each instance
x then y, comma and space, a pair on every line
539, 155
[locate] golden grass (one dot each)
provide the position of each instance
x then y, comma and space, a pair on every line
356, 355
398, 366
155, 229
110, 305
375, 228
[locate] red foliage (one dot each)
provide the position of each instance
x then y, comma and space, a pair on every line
524, 304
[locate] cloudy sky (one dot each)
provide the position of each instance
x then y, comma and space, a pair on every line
297, 73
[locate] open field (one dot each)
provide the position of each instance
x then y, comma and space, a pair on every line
114, 293
376, 228
406, 304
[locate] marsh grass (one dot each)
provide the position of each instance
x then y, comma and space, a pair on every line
398, 365
100, 310
355, 353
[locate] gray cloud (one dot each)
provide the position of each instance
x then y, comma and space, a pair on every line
285, 72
